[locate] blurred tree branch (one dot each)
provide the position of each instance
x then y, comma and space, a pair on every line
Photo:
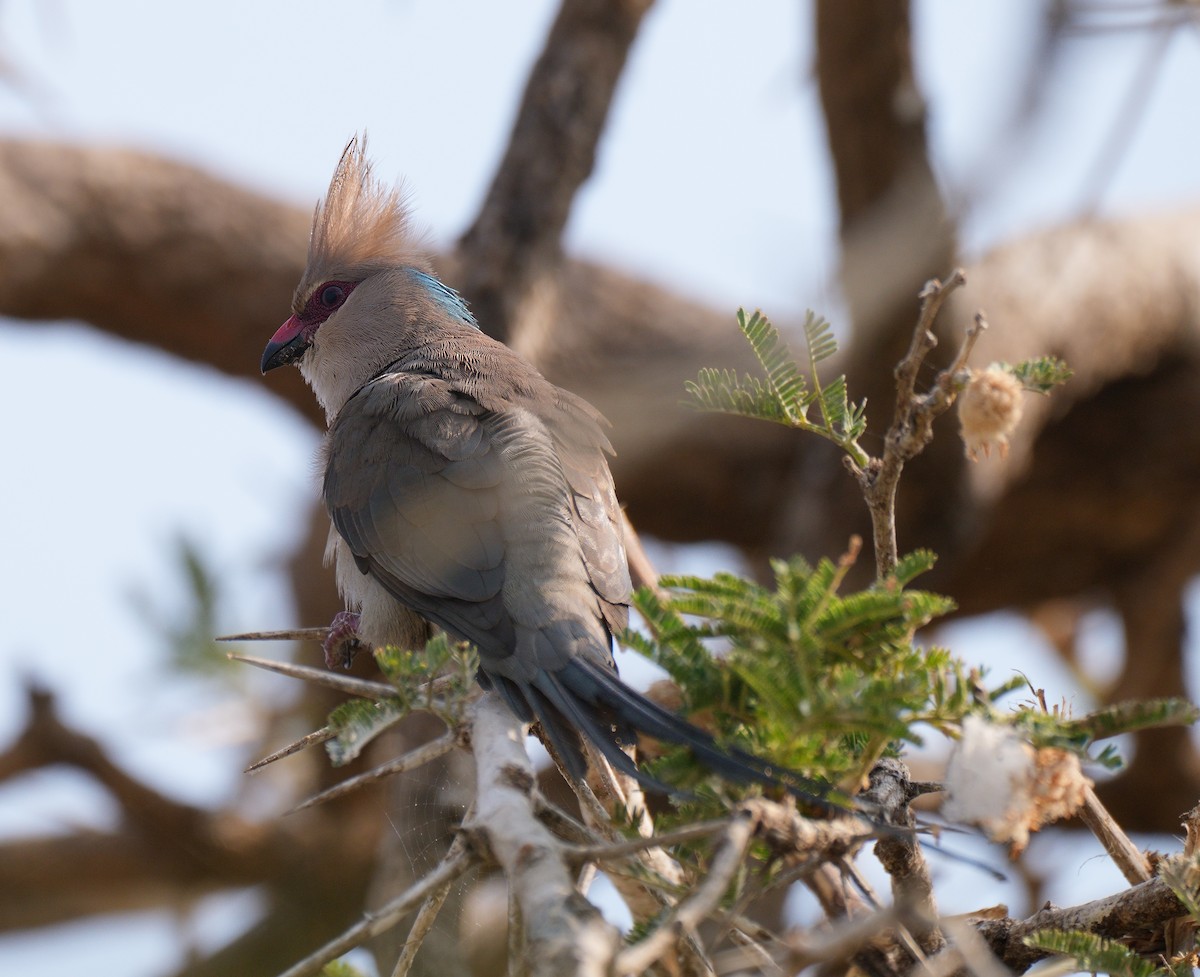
314, 868
511, 254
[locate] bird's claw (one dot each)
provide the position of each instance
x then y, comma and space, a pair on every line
342, 642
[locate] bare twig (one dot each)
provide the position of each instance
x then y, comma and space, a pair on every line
320, 676
383, 919
753, 955
650, 889
801, 868
643, 894
288, 634
661, 875
842, 942
516, 937
627, 794
322, 735
948, 379
603, 851
912, 425
595, 814
734, 924
562, 824
422, 924
699, 903
836, 898
409, 761
904, 937
587, 875
933, 296
1131, 860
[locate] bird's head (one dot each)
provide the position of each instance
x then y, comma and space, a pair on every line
367, 279
295, 337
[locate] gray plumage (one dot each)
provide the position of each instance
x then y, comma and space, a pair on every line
464, 488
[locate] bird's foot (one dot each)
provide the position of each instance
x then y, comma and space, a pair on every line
342, 643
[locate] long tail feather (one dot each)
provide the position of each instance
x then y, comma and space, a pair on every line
589, 697
596, 730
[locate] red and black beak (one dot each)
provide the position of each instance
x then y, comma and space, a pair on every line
289, 343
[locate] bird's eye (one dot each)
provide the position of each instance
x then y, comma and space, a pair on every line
332, 296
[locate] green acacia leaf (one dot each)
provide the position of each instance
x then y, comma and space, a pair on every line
1128, 717
358, 722
818, 335
784, 381
1039, 375
1093, 953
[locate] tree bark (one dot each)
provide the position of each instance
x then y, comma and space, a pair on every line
511, 253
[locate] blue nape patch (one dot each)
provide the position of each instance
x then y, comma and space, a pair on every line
446, 297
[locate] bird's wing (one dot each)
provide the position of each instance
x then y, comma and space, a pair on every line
582, 447
413, 484
441, 500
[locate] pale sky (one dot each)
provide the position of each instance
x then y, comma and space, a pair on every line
712, 178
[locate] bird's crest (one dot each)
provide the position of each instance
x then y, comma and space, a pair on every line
362, 226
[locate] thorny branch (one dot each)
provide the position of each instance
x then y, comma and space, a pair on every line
402, 764
507, 824
562, 932
912, 425
318, 676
